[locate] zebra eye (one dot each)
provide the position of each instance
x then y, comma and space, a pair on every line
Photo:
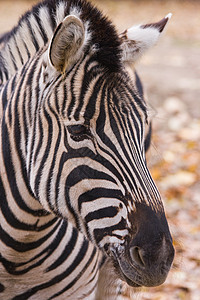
77, 129
79, 132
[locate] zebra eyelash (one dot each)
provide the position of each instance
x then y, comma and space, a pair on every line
79, 132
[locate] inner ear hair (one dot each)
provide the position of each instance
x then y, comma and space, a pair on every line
66, 43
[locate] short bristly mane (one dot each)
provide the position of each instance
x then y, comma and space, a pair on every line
36, 27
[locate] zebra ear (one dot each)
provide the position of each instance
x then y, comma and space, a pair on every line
137, 39
66, 44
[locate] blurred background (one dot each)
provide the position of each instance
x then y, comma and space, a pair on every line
171, 76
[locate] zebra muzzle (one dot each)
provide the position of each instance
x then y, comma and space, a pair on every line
143, 268
145, 259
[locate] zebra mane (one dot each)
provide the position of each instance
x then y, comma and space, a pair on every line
36, 27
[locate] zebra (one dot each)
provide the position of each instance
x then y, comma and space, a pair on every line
80, 217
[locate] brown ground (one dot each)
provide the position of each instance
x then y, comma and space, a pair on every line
171, 75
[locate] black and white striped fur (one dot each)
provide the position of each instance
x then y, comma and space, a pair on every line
74, 185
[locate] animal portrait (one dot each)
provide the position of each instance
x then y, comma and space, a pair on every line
80, 214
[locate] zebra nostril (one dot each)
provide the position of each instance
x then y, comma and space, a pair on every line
136, 256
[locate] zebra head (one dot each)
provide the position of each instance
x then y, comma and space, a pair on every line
88, 160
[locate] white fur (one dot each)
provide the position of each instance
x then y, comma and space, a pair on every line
60, 12
76, 11
45, 21
147, 37
168, 16
122, 232
138, 39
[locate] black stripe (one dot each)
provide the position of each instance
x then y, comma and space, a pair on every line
108, 142
12, 58
3, 69
77, 277
13, 82
85, 86
139, 85
4, 95
40, 136
23, 247
27, 50
72, 84
18, 51
49, 132
147, 142
42, 31
2, 288
99, 233
59, 277
91, 106
66, 252
8, 162
85, 172
15, 222
25, 120
106, 212
130, 168
12, 267
96, 193
32, 35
